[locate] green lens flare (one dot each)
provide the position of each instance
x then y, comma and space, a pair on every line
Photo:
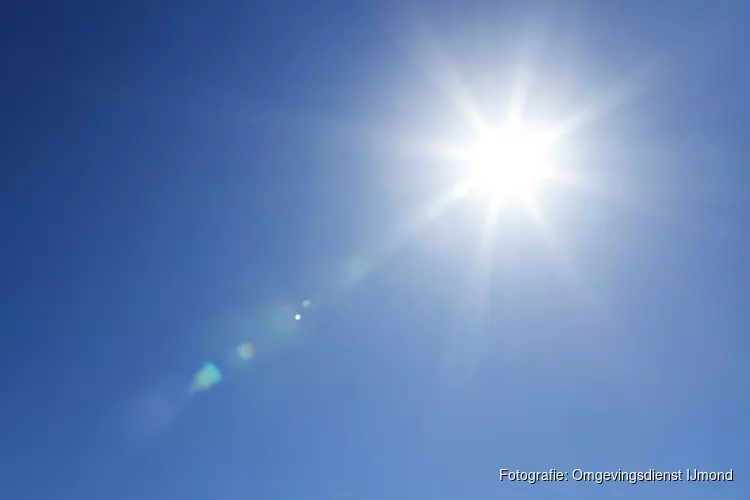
205, 378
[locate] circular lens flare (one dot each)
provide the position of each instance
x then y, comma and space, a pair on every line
246, 350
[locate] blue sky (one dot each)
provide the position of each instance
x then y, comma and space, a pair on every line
178, 177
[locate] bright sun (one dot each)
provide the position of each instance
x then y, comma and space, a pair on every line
510, 163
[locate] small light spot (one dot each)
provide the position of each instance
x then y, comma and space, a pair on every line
297, 317
246, 350
306, 303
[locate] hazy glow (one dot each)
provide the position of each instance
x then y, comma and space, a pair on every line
246, 350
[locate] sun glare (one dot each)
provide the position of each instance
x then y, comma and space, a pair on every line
510, 163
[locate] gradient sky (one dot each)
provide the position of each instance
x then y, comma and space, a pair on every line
177, 177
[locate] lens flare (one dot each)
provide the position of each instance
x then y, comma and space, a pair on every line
205, 378
246, 350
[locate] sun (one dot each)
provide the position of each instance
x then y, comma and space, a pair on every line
510, 162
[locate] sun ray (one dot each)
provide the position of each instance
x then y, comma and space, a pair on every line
618, 94
516, 104
568, 271
442, 73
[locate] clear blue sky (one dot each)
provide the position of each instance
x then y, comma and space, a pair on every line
177, 177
